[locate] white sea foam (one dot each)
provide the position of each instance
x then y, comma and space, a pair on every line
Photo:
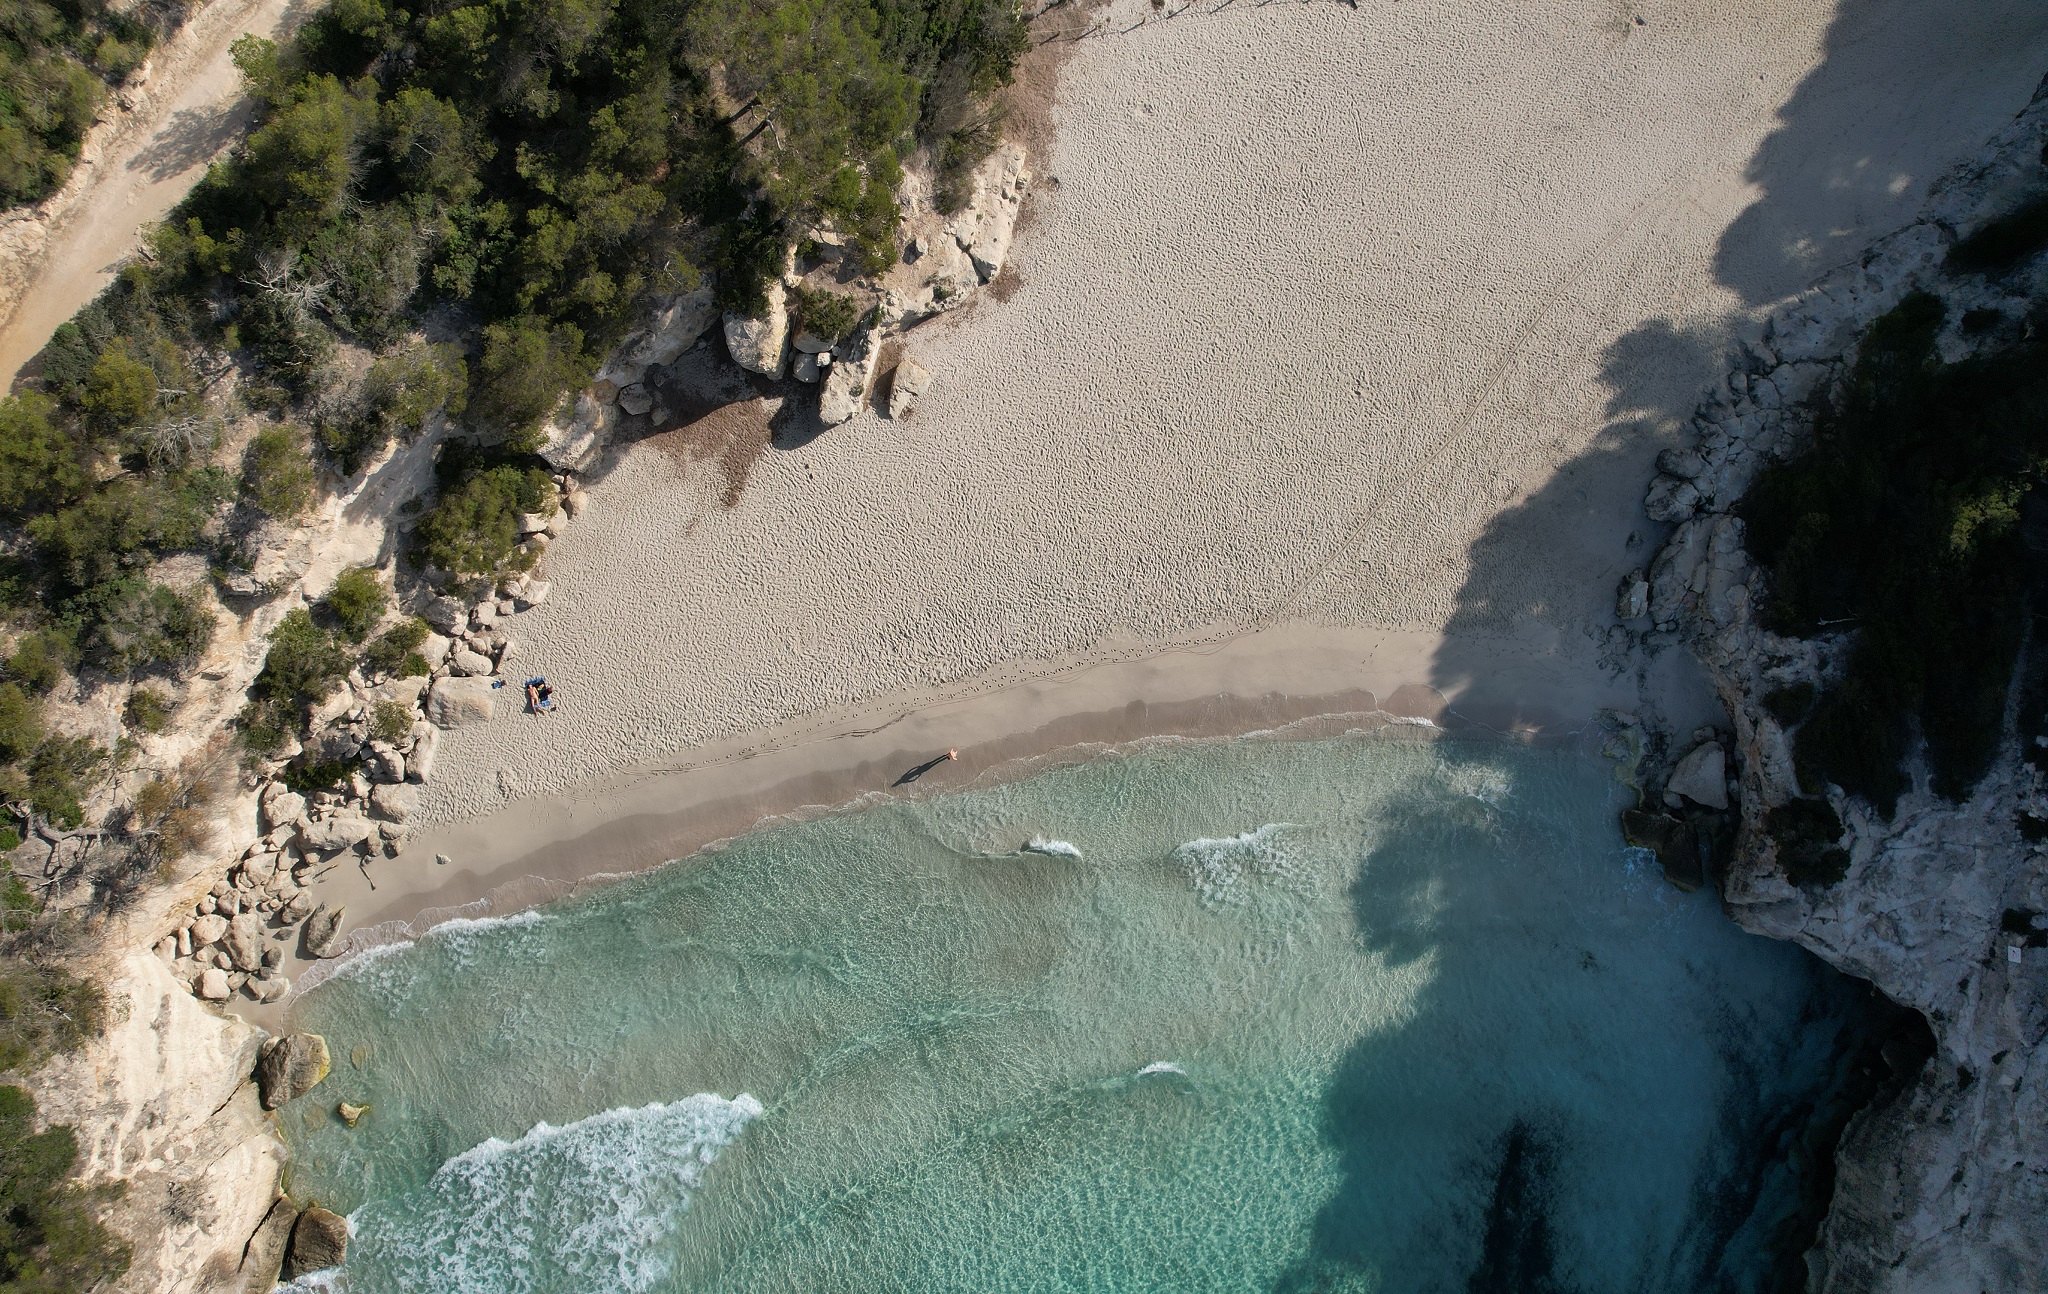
590, 1205
1161, 1067
1056, 848
1222, 869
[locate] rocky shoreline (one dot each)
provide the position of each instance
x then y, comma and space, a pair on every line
1941, 1183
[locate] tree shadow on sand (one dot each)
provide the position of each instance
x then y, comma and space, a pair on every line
1851, 160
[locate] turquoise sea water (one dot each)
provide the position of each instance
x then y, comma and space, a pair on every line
1354, 1014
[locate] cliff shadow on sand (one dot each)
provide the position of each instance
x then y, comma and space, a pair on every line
1900, 95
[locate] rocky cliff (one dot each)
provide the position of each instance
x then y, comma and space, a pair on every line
1943, 1182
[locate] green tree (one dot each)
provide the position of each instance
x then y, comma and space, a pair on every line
277, 475
357, 602
41, 464
50, 1243
525, 367
121, 390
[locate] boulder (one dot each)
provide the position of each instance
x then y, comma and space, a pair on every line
1671, 499
805, 367
319, 1241
263, 1257
457, 702
435, 647
323, 931
209, 929
295, 908
535, 523
281, 806
419, 764
1632, 599
394, 803
1685, 464
384, 764
636, 399
213, 984
912, 380
1702, 776
1674, 843
532, 594
336, 832
761, 344
351, 1114
574, 502
470, 664
810, 343
673, 330
245, 942
846, 386
575, 443
445, 614
988, 226
273, 989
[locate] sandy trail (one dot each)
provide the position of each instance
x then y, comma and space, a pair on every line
188, 109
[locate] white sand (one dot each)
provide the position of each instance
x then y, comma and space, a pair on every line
1365, 319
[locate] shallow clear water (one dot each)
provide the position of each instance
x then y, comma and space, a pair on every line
1358, 1014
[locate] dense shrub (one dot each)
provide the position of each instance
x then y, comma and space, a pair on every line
58, 777
357, 602
43, 464
302, 667
42, 656
50, 1242
133, 624
2003, 242
147, 710
474, 527
55, 63
1902, 523
524, 369
391, 721
1808, 835
398, 395
829, 315
21, 723
277, 476
396, 646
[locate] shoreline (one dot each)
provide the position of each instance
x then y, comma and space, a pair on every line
538, 850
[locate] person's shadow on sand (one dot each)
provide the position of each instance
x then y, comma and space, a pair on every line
925, 767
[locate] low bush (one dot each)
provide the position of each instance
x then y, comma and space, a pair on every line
396, 646
147, 710
1808, 835
828, 315
42, 656
134, 625
303, 666
398, 395
21, 723
169, 818
357, 602
50, 1242
277, 475
391, 721
59, 776
2002, 243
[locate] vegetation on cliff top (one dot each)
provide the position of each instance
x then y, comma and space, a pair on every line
50, 1243
1902, 522
56, 62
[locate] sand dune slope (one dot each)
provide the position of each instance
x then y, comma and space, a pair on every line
1368, 317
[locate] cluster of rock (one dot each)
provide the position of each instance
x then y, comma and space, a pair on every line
945, 258
1940, 1183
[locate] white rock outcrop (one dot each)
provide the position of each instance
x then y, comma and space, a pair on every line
1940, 1184
760, 343
162, 1103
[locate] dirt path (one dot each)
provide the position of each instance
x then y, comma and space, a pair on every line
136, 165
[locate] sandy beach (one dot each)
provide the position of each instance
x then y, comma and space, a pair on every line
1335, 359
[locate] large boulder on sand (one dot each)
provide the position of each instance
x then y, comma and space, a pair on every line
245, 942
213, 985
290, 1067
1702, 776
209, 929
846, 383
674, 328
319, 1241
457, 702
395, 802
912, 380
336, 832
323, 931
760, 344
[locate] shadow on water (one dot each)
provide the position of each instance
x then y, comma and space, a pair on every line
1848, 162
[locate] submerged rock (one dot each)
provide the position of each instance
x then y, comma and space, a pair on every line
351, 1114
1672, 840
290, 1067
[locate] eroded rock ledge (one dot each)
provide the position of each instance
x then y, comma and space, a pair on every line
1943, 1182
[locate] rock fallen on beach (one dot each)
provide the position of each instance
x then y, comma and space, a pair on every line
290, 1067
457, 702
245, 942
323, 930
1702, 776
213, 984
911, 381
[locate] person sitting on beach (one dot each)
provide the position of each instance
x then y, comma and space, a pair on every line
539, 695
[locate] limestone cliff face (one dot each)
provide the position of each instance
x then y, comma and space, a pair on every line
163, 1103
1943, 1183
